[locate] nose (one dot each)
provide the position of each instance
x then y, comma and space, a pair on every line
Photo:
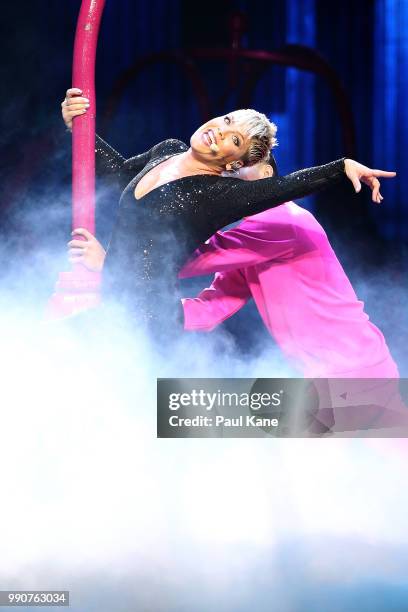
220, 134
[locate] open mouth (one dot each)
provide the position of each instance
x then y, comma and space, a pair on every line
209, 138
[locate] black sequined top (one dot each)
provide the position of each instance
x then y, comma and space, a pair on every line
154, 235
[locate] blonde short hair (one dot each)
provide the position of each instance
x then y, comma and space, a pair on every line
261, 133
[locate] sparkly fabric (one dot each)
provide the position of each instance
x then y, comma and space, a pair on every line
154, 234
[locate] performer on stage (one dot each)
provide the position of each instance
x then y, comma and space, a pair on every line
174, 198
282, 259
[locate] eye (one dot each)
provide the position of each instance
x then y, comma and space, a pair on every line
227, 119
236, 141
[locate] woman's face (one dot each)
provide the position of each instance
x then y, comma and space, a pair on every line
220, 141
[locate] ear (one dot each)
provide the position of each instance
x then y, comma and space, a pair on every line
268, 171
235, 165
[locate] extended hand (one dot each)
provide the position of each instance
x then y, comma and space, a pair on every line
357, 172
89, 252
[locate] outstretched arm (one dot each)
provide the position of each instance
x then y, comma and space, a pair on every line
227, 294
240, 198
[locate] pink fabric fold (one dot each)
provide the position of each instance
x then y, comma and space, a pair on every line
282, 258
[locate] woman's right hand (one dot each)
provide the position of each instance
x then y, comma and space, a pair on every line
73, 105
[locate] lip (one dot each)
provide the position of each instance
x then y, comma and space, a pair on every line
213, 136
209, 138
206, 139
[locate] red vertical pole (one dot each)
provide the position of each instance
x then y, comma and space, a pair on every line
79, 288
83, 128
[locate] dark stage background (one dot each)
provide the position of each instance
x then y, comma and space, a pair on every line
365, 45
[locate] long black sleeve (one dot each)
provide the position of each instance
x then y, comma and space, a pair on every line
242, 198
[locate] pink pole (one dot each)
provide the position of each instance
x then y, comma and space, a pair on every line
83, 128
79, 289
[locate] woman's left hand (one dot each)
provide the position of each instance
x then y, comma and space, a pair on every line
357, 172
88, 252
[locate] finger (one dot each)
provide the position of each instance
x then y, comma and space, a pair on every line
78, 244
74, 107
73, 91
82, 232
383, 173
76, 251
74, 244
72, 102
375, 184
356, 183
75, 101
75, 113
369, 180
68, 110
